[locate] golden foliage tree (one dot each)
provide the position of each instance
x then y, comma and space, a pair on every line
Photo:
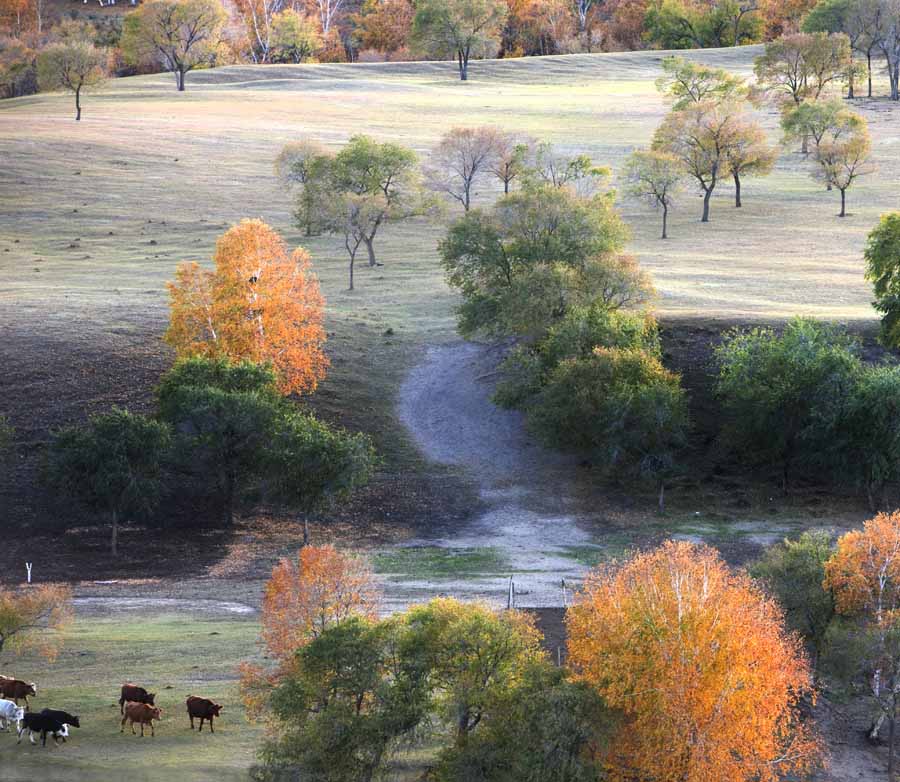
302, 599
306, 596
697, 660
261, 303
34, 619
864, 577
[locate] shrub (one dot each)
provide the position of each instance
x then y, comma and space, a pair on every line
619, 406
783, 393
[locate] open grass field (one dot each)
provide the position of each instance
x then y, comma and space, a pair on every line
177, 655
94, 217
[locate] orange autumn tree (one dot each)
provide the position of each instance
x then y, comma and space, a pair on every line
34, 618
700, 666
260, 303
302, 599
864, 577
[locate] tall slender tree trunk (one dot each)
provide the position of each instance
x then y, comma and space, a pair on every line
665, 220
869, 69
352, 264
737, 189
305, 530
843, 203
370, 249
114, 539
78, 103
463, 58
661, 504
706, 196
180, 79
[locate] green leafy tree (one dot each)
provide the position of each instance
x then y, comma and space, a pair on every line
295, 37
545, 728
490, 257
386, 176
686, 82
676, 24
800, 67
306, 166
311, 465
528, 367
620, 407
114, 465
882, 256
775, 387
340, 711
859, 20
470, 652
869, 437
460, 29
75, 65
180, 35
656, 176
793, 571
226, 416
819, 120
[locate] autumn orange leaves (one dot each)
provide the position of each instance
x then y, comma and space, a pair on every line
260, 303
698, 677
698, 662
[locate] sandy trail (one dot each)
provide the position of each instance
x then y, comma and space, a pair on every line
531, 516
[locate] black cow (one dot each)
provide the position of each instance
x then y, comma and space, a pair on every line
41, 723
63, 716
203, 708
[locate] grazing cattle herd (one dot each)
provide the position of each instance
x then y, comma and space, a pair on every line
136, 706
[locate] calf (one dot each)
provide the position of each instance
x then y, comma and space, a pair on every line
16, 688
141, 713
203, 708
10, 712
39, 723
135, 694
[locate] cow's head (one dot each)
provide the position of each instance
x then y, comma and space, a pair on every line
32, 688
63, 732
156, 712
75, 723
215, 709
150, 699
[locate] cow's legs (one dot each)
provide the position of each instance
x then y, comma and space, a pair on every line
152, 729
192, 721
201, 724
123, 724
142, 730
210, 725
21, 731
133, 731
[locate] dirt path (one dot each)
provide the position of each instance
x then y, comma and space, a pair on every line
531, 520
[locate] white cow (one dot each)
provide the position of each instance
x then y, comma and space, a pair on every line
9, 713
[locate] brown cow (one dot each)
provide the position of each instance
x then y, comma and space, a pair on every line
135, 694
16, 688
203, 708
142, 713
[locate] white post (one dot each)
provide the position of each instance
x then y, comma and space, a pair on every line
28, 568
